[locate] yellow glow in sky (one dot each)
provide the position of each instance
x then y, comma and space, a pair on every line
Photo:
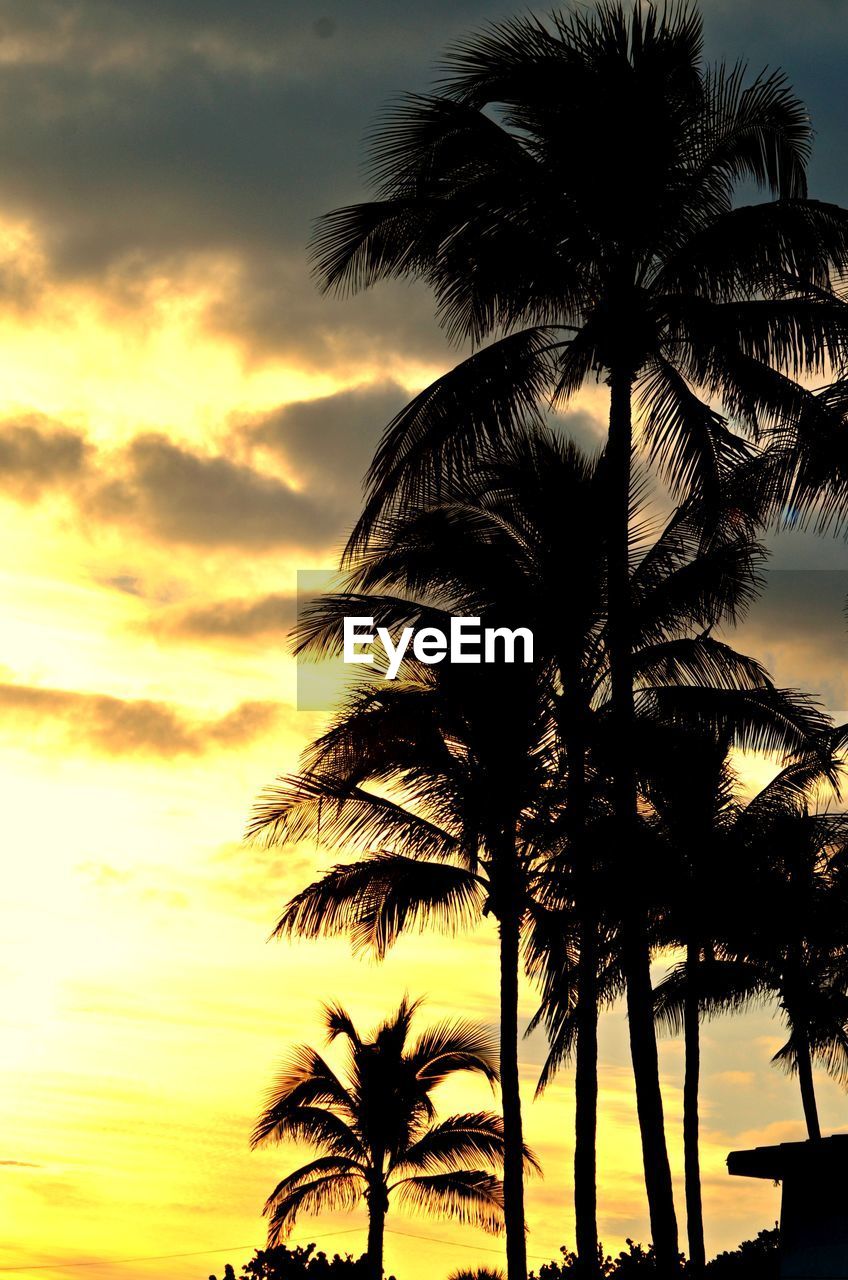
142, 1012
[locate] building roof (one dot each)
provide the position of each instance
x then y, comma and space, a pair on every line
788, 1157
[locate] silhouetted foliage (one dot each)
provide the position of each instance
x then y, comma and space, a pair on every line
303, 1263
478, 1273
636, 1261
753, 1260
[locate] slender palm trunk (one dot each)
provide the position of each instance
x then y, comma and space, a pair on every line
516, 1246
586, 1048
808, 1089
691, 1085
586, 1101
636, 949
377, 1206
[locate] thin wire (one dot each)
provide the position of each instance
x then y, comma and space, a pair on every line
235, 1248
460, 1244
159, 1257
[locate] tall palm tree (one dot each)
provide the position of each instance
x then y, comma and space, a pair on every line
569, 192
377, 1131
781, 934
487, 759
697, 812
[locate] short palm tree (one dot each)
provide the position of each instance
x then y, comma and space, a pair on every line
569, 192
377, 1132
479, 1273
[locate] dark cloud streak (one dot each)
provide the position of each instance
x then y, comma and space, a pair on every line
110, 726
37, 454
267, 616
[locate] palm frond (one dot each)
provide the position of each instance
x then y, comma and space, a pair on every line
454, 1045
471, 1197
337, 814
332, 1192
456, 1143
375, 899
482, 399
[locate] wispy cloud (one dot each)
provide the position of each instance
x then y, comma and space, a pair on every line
118, 727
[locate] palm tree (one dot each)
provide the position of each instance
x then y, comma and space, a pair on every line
479, 1273
782, 933
377, 1132
446, 845
697, 814
569, 193
490, 763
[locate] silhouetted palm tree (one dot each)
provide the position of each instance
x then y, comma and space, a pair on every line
569, 191
377, 1130
697, 813
782, 933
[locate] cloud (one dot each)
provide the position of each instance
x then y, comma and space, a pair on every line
798, 630
112, 726
37, 454
127, 583
165, 490
19, 1164
738, 1079
139, 138
242, 114
176, 495
329, 441
245, 619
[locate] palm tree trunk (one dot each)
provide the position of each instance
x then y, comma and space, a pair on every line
377, 1206
636, 949
586, 1047
516, 1246
808, 1089
586, 1102
691, 1085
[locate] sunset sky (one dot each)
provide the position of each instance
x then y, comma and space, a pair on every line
184, 422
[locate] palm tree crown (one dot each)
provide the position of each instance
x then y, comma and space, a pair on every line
376, 1127
569, 191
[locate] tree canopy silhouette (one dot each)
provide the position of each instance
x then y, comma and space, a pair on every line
569, 195
377, 1131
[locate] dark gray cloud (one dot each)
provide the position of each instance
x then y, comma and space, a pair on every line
136, 136
163, 127
810, 43
798, 629
117, 727
267, 616
347, 425
175, 495
37, 454
170, 493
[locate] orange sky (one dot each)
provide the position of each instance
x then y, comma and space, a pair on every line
181, 430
